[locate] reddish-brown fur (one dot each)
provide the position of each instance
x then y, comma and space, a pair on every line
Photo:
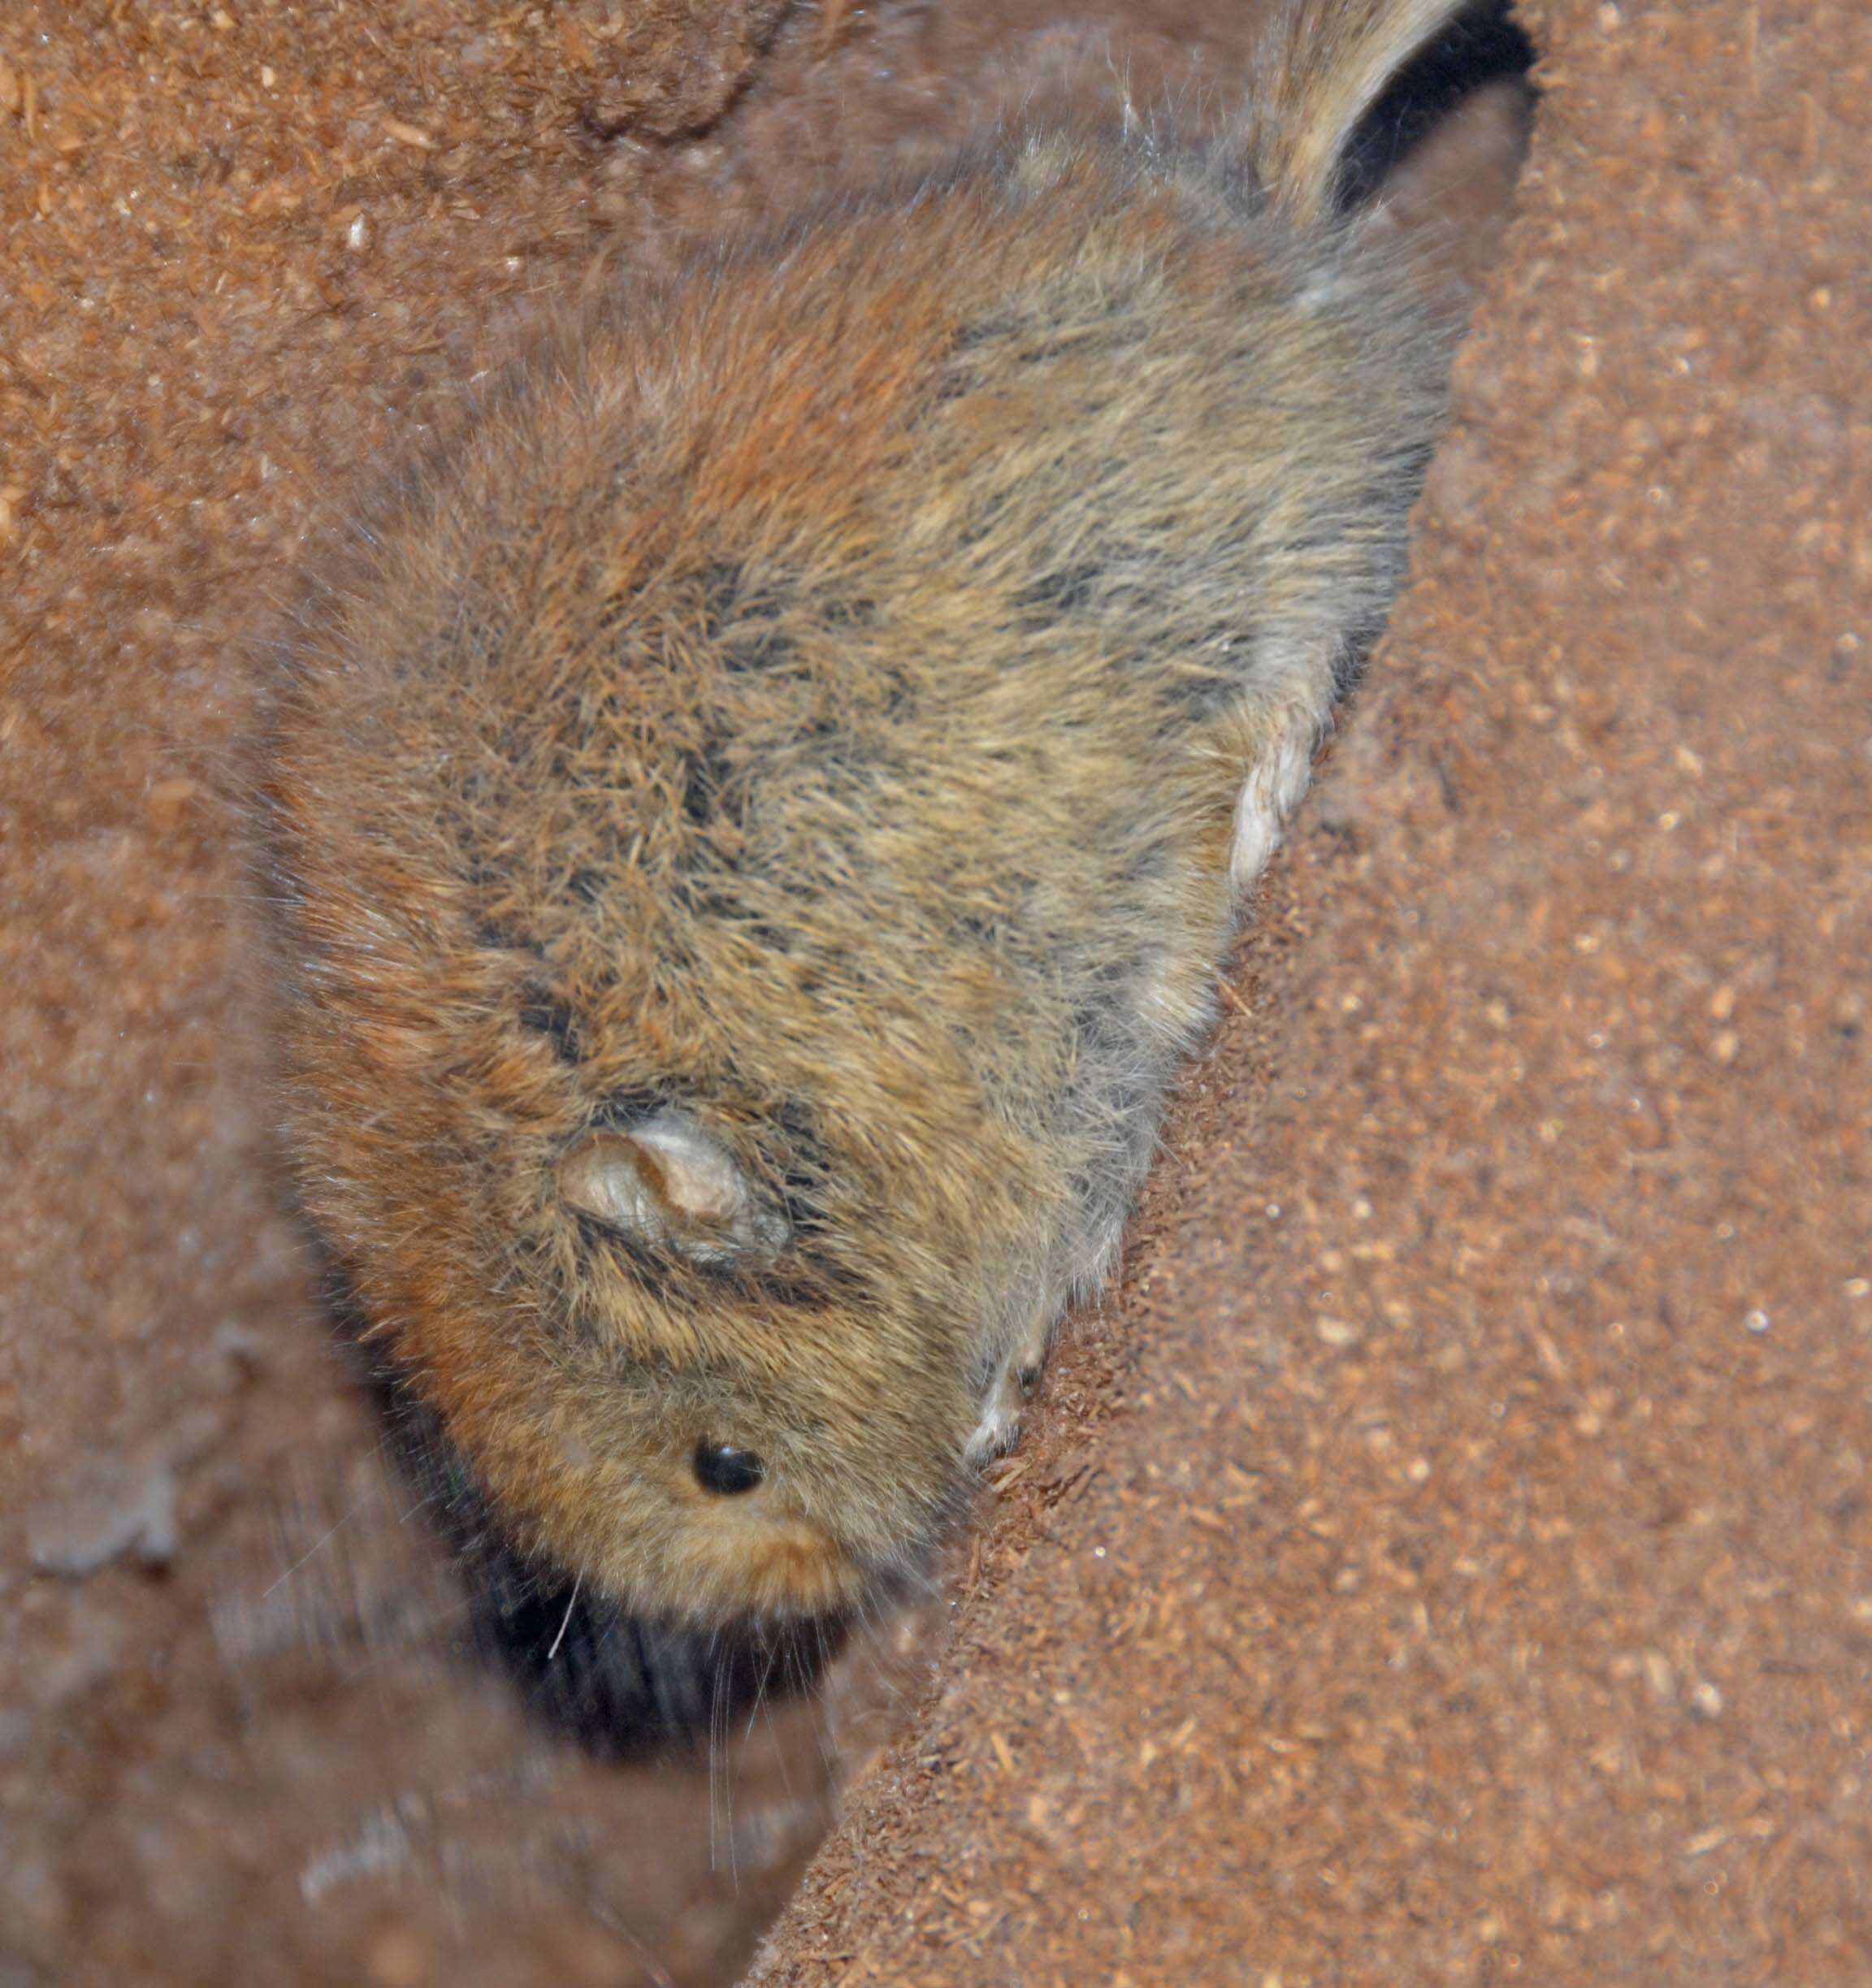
756, 828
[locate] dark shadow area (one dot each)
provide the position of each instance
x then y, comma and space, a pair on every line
618, 1685
1486, 45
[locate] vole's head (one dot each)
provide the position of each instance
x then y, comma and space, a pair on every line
757, 1427
673, 1343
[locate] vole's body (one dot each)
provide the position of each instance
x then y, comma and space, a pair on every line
759, 837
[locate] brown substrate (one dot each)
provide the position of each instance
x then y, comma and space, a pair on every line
1446, 1558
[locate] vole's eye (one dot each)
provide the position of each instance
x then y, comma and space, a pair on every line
727, 1471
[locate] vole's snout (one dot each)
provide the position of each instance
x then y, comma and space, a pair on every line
778, 1566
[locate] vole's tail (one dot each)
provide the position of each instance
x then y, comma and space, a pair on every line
1320, 65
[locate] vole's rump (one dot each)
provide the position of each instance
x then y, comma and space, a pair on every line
1319, 66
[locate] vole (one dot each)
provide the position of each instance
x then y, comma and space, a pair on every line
754, 826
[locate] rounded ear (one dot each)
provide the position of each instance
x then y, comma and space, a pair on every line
669, 1181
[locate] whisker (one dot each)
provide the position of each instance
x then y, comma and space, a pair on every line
317, 1546
565, 1620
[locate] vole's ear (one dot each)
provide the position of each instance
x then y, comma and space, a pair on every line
669, 1181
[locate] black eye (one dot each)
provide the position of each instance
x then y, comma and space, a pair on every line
723, 1469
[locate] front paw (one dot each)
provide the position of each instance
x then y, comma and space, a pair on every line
999, 1430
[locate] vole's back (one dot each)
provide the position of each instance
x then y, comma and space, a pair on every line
876, 699
825, 713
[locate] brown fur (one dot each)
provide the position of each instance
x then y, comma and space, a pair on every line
755, 835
